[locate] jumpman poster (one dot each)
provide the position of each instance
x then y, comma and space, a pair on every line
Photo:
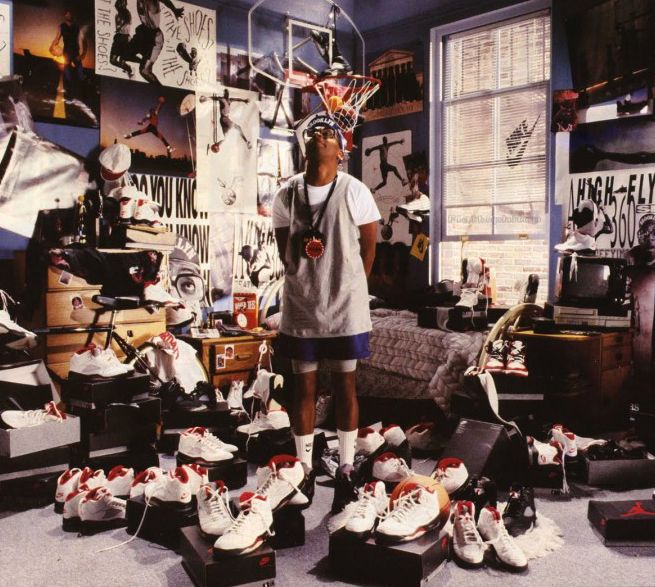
153, 122
383, 171
164, 42
228, 129
5, 38
54, 52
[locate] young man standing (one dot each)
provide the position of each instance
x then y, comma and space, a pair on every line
325, 226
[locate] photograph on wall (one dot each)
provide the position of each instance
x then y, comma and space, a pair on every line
636, 103
54, 52
221, 259
5, 38
162, 42
233, 71
275, 165
565, 111
14, 111
152, 121
256, 259
228, 129
401, 91
383, 171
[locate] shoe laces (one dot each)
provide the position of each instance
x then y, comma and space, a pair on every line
212, 441
33, 417
469, 530
244, 518
403, 506
218, 504
365, 504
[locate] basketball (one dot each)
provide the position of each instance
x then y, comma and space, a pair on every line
334, 102
56, 50
433, 486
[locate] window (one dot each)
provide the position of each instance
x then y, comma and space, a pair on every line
491, 141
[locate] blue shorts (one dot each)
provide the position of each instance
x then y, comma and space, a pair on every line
341, 348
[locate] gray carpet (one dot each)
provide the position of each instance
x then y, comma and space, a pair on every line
35, 551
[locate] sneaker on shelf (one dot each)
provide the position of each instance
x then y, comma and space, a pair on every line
146, 211
390, 468
323, 408
371, 504
542, 453
100, 510
199, 445
93, 362
272, 420
496, 357
119, 481
520, 513
468, 547
67, 482
280, 481
29, 418
235, 396
516, 359
452, 473
250, 529
369, 443
576, 242
413, 512
469, 297
397, 442
263, 387
423, 437
12, 335
172, 489
529, 289
155, 293
214, 515
149, 475
345, 490
566, 438
493, 531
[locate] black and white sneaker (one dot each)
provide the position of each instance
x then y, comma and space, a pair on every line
520, 513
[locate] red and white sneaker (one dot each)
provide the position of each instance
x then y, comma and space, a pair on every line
172, 490
100, 510
369, 442
93, 362
451, 473
390, 468
371, 504
70, 521
280, 480
199, 445
119, 481
542, 453
12, 335
251, 528
29, 418
516, 359
146, 211
566, 438
150, 475
155, 293
197, 476
393, 435
214, 515
271, 420
468, 546
493, 531
67, 482
496, 357
92, 479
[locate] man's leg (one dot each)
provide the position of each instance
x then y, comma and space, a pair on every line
136, 133
303, 412
148, 61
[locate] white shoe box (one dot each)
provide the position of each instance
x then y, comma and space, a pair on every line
17, 442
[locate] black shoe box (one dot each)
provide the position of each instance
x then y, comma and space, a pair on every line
44, 461
623, 473
408, 564
138, 456
289, 527
259, 448
90, 394
624, 523
546, 476
161, 524
233, 473
254, 568
210, 418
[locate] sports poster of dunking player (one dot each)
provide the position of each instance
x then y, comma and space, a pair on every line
162, 42
54, 52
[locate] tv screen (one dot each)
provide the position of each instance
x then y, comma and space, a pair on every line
595, 282
590, 281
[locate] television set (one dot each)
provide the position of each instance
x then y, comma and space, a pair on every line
592, 282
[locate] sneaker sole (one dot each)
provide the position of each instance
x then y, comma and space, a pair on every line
220, 553
184, 458
461, 562
506, 566
71, 524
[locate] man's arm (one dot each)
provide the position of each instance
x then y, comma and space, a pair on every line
367, 236
176, 11
282, 238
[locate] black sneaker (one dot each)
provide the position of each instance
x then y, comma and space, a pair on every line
345, 490
307, 487
520, 513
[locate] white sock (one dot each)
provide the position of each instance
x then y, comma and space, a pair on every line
347, 446
304, 449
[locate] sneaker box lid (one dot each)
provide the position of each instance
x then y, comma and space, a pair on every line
624, 473
17, 442
29, 382
624, 523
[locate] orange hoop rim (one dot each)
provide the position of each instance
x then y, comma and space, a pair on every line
340, 76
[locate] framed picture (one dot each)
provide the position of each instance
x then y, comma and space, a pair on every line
5, 38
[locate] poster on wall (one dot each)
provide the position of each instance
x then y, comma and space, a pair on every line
401, 91
228, 129
275, 165
162, 42
153, 121
14, 111
383, 171
5, 38
54, 52
221, 259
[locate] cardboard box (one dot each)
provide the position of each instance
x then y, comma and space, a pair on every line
625, 473
91, 394
17, 442
624, 523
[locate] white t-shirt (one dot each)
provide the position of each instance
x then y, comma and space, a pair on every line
360, 201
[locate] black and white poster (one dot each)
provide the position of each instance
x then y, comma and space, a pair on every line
275, 165
162, 42
5, 37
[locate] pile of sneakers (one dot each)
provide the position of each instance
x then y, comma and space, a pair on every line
198, 445
94, 362
29, 418
13, 336
506, 356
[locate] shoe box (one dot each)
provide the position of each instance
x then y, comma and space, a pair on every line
260, 447
17, 442
159, 524
209, 418
52, 460
92, 394
624, 523
256, 568
408, 564
623, 473
288, 527
233, 473
28, 383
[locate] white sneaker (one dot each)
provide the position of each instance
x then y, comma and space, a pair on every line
67, 482
493, 531
576, 241
272, 420
92, 361
99, 510
470, 297
393, 435
369, 442
566, 438
172, 489
249, 530
70, 521
279, 481
155, 293
92, 479
371, 503
146, 211
127, 197
235, 396
496, 357
516, 359
28, 418
423, 437
468, 547
451, 473
214, 515
12, 335
197, 444
263, 386
197, 476
119, 481
413, 513
391, 468
150, 475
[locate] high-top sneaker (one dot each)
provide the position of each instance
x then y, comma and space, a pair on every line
482, 491
451, 473
369, 443
493, 531
271, 420
119, 481
264, 386
171, 490
235, 396
127, 197
146, 211
12, 335
70, 521
371, 504
345, 490
198, 476
150, 475
496, 357
251, 528
414, 512
100, 510
566, 438
214, 515
520, 513
468, 547
28, 418
199, 445
67, 482
280, 481
542, 453
397, 442
516, 359
423, 437
390, 468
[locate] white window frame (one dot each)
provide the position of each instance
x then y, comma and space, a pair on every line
437, 39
